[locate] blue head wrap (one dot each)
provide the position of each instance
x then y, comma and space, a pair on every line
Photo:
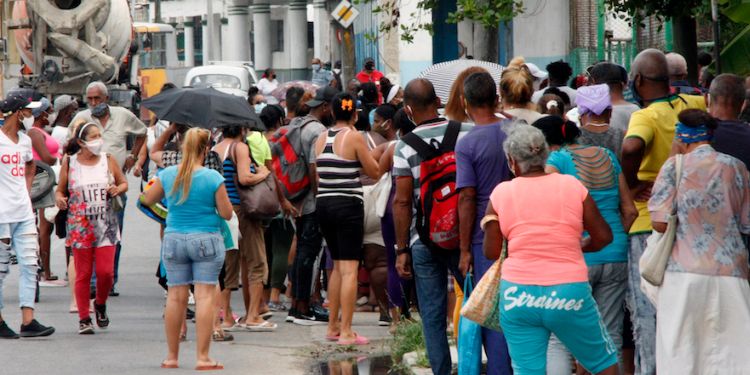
687, 134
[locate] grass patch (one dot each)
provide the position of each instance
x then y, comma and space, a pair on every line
408, 338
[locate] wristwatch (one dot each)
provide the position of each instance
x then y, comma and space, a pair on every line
401, 251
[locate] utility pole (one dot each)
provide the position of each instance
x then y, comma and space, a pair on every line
717, 36
208, 49
157, 11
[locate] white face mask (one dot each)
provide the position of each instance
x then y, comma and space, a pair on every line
51, 118
28, 122
95, 146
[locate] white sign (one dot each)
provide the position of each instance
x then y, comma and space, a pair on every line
345, 13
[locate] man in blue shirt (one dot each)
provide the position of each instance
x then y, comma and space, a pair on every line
480, 166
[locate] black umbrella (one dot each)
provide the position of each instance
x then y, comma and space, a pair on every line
207, 108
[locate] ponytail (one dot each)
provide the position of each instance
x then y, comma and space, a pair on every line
195, 143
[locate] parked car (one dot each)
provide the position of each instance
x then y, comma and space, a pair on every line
228, 77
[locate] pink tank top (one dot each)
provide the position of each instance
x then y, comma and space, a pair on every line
542, 218
52, 145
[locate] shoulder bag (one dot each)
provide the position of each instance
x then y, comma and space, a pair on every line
259, 201
653, 262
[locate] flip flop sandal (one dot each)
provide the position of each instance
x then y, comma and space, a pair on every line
358, 340
333, 338
215, 366
236, 327
219, 336
174, 365
266, 315
262, 327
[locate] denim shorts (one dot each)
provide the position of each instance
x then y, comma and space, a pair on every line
192, 258
530, 313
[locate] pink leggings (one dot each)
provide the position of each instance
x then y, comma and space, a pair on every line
84, 262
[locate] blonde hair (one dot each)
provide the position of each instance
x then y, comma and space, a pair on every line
516, 83
455, 109
195, 143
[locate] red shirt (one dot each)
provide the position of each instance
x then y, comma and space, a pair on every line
373, 77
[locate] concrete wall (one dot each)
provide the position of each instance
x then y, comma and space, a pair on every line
416, 56
542, 33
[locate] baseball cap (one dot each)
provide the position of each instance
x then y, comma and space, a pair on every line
62, 102
536, 72
44, 105
323, 95
17, 101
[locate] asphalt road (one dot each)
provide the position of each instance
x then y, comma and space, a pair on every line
134, 343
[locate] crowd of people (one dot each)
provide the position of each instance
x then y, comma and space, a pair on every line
388, 188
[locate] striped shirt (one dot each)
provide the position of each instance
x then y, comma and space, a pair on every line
229, 172
406, 162
337, 177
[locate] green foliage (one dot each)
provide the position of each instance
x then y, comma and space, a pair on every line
409, 338
662, 9
490, 13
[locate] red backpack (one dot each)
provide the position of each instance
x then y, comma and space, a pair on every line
289, 162
437, 209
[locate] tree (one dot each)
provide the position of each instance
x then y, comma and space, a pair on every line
683, 14
486, 15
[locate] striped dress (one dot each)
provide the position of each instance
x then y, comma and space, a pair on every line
337, 177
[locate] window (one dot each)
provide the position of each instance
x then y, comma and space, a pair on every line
217, 81
277, 36
310, 35
152, 50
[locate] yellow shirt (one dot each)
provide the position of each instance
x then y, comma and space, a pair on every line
655, 125
259, 147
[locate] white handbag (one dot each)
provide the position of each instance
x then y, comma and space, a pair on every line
653, 262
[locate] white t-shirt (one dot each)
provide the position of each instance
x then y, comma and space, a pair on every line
15, 203
60, 134
568, 90
265, 86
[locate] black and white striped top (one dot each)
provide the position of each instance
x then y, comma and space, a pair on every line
337, 177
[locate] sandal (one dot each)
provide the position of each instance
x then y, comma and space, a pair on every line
220, 336
214, 366
266, 326
358, 340
165, 365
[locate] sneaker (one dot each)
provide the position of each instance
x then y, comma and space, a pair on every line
293, 314
86, 327
6, 332
13, 259
34, 329
189, 314
313, 319
277, 306
191, 299
320, 311
102, 320
114, 292
385, 320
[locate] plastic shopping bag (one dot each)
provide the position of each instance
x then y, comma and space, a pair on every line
469, 339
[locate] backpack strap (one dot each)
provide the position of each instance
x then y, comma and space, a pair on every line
423, 149
451, 136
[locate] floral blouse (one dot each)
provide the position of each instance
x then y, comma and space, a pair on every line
713, 212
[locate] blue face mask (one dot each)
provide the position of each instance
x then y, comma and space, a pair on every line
315, 67
372, 117
637, 97
259, 107
2, 121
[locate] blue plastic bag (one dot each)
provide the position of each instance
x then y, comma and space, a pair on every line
469, 339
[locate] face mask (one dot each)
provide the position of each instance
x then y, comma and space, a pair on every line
637, 97
2, 121
259, 107
315, 67
100, 110
383, 128
273, 76
51, 118
371, 117
408, 116
369, 66
95, 146
336, 70
28, 122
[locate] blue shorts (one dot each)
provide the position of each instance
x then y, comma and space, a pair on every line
192, 258
529, 313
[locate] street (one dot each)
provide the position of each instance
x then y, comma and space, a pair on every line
134, 343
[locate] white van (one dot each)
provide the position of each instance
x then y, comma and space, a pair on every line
234, 78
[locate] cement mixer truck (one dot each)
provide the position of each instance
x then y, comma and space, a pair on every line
63, 45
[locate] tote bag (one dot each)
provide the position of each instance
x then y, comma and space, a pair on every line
483, 306
469, 339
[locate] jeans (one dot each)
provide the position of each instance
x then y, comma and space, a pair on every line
24, 241
84, 263
498, 358
431, 276
193, 258
642, 311
309, 241
608, 284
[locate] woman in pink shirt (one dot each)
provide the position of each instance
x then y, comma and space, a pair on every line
47, 150
545, 287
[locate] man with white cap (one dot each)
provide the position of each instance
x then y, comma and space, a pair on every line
678, 72
539, 75
17, 222
65, 107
